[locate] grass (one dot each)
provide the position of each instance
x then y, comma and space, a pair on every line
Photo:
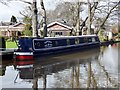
10, 44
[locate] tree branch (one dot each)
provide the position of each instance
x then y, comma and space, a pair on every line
25, 2
93, 8
102, 24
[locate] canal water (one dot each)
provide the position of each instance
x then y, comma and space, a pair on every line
95, 68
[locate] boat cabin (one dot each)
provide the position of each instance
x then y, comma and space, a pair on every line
35, 44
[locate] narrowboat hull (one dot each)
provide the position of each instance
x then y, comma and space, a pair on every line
72, 48
23, 55
41, 47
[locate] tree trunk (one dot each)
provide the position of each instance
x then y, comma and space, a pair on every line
44, 82
78, 19
89, 75
89, 18
44, 19
34, 19
93, 8
118, 19
35, 84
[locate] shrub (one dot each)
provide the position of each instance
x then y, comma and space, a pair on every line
27, 32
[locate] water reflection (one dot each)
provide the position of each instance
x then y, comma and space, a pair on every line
88, 69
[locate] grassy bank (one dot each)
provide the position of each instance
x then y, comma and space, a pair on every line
10, 44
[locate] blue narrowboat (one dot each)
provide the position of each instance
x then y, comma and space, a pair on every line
33, 47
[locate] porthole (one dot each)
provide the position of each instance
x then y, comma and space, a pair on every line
38, 44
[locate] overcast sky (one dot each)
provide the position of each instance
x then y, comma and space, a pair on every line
15, 7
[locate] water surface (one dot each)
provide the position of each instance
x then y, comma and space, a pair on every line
96, 68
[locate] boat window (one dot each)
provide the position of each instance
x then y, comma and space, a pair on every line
58, 33
56, 42
77, 41
62, 42
85, 39
93, 39
81, 40
38, 44
89, 39
72, 41
96, 38
53, 43
68, 42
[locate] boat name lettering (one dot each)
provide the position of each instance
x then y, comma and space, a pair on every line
48, 44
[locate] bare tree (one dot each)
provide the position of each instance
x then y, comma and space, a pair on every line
33, 6
34, 18
44, 19
69, 13
78, 18
5, 2
108, 14
26, 12
89, 17
94, 9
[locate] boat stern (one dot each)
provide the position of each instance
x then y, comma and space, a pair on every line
23, 55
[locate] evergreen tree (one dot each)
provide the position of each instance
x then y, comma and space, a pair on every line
13, 20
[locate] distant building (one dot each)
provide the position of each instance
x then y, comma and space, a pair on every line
109, 34
84, 30
11, 30
56, 29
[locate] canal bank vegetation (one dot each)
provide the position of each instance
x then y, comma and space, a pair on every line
11, 44
7, 43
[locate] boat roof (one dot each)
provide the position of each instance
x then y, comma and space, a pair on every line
61, 37
71, 36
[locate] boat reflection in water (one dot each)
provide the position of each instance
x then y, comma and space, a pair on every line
53, 64
74, 70
3, 65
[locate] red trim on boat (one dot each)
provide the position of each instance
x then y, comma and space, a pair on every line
20, 63
24, 57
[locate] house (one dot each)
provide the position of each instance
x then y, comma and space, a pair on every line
85, 29
56, 29
11, 30
109, 34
